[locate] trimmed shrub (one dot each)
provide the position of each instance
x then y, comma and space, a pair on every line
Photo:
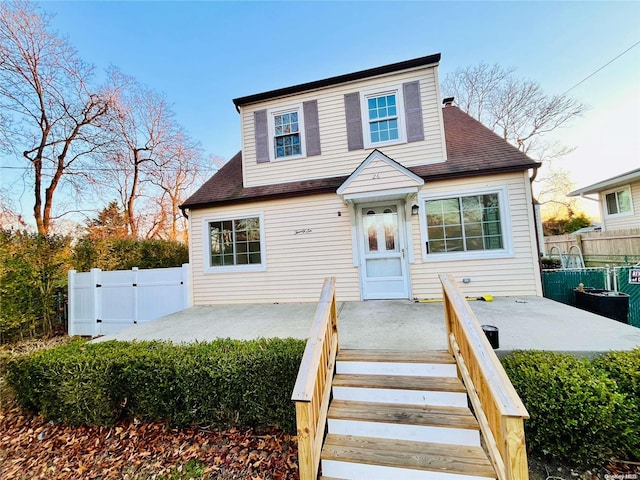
579, 415
123, 254
624, 368
221, 383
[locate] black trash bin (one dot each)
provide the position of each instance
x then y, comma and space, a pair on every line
610, 304
492, 334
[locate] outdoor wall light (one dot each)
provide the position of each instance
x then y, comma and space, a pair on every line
415, 209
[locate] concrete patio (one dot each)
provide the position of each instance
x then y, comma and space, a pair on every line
523, 322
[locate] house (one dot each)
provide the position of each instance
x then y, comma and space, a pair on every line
368, 178
618, 199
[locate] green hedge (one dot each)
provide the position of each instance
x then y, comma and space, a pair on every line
124, 253
582, 412
220, 383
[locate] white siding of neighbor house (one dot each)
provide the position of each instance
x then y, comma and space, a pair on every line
335, 159
379, 175
621, 222
517, 275
296, 264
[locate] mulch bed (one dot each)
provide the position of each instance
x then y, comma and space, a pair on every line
31, 447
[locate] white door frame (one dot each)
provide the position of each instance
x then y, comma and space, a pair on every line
400, 284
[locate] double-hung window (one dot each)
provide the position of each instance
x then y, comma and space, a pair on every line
286, 133
467, 225
235, 243
286, 137
383, 115
383, 118
618, 202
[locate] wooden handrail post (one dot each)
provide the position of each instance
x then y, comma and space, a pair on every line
312, 391
497, 406
515, 447
305, 442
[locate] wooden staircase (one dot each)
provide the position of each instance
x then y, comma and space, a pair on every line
380, 414
401, 415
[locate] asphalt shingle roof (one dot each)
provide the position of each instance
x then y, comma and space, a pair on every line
472, 150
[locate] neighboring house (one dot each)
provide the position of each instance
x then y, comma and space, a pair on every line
618, 199
367, 178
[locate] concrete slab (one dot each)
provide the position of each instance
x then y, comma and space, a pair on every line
523, 322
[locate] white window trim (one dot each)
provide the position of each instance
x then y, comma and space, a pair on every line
256, 267
271, 113
364, 113
604, 202
505, 223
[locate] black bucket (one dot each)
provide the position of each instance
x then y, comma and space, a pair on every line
492, 335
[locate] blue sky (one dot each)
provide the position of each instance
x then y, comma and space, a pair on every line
201, 55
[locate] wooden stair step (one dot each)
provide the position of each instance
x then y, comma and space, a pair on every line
397, 356
434, 457
400, 382
422, 415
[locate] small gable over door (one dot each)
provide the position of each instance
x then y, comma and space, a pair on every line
379, 173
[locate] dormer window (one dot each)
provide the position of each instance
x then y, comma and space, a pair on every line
286, 133
383, 111
383, 118
287, 140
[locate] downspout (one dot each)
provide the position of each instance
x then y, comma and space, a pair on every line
535, 226
184, 211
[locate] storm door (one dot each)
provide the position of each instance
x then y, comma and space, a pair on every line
383, 265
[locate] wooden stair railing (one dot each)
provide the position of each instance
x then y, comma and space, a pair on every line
497, 406
312, 390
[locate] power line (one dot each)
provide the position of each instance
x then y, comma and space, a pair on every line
603, 66
92, 169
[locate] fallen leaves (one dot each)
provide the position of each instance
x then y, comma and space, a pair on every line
31, 448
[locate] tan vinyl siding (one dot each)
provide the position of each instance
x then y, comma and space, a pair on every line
378, 176
621, 222
335, 159
517, 275
296, 264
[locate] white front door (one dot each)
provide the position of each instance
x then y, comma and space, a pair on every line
383, 265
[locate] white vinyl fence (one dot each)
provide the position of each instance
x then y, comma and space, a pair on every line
101, 303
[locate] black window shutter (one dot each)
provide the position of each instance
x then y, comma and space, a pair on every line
262, 136
311, 127
413, 111
354, 121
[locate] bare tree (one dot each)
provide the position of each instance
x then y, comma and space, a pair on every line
143, 128
183, 167
516, 109
45, 89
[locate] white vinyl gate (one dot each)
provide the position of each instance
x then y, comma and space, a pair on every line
101, 303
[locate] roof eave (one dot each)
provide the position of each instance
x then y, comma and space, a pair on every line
484, 171
339, 180
613, 182
429, 60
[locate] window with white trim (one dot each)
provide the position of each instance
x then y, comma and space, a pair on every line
286, 133
464, 224
618, 202
383, 117
235, 243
